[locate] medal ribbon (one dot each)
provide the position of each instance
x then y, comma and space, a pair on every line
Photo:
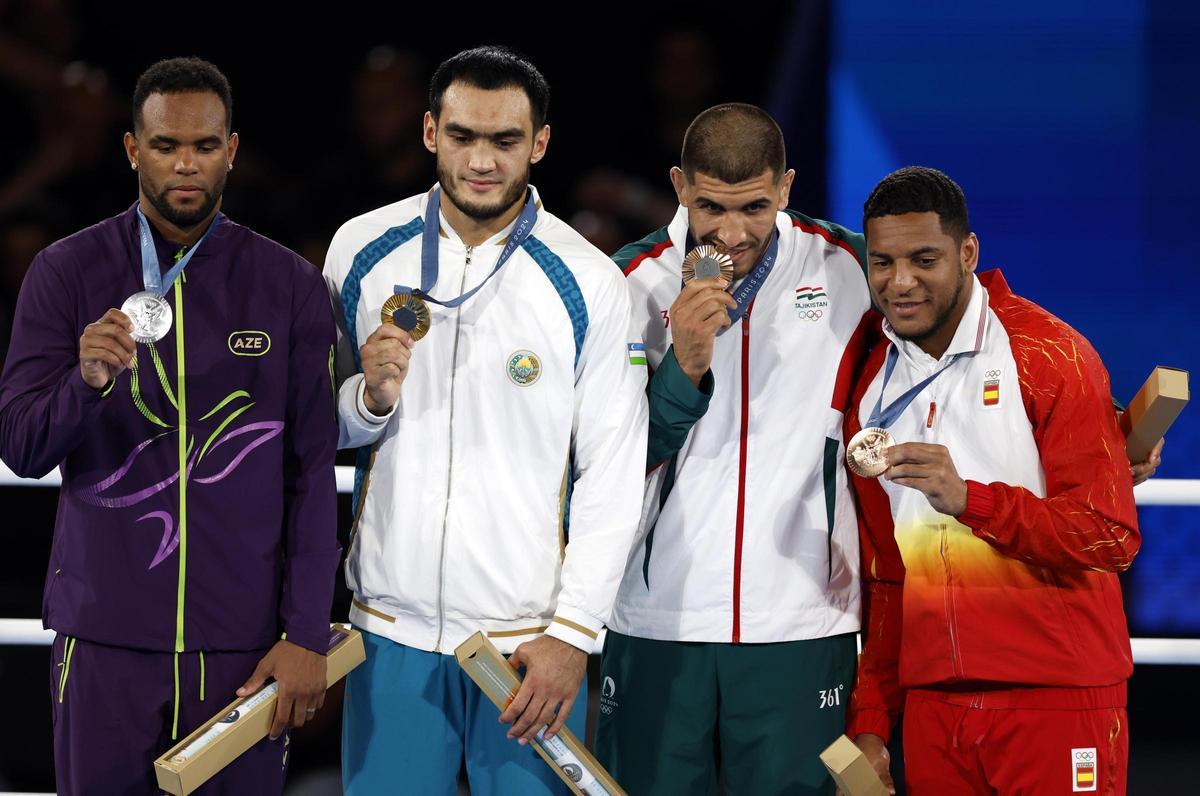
749, 288
882, 418
429, 249
155, 282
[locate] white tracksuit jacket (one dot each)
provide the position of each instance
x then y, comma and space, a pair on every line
518, 404
749, 531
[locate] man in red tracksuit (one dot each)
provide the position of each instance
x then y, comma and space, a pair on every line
992, 540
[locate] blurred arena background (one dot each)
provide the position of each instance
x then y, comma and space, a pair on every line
1071, 126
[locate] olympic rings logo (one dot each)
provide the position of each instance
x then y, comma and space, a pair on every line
1085, 755
992, 374
810, 315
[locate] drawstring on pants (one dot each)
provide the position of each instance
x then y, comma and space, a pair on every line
175, 719
68, 649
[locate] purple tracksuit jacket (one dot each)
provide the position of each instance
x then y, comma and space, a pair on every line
198, 506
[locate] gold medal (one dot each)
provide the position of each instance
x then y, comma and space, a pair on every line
866, 453
707, 262
408, 312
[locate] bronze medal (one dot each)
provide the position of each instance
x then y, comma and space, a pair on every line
866, 453
707, 262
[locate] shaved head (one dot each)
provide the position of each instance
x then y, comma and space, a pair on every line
733, 142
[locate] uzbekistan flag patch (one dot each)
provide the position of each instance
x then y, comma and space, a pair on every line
637, 354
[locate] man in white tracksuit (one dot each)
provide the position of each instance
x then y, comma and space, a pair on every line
500, 457
734, 627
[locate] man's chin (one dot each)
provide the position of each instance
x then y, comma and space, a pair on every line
189, 216
185, 217
907, 330
487, 208
188, 219
482, 212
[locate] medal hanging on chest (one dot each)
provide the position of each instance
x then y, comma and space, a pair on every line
866, 452
407, 308
147, 310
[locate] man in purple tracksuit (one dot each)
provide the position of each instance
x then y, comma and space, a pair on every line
196, 524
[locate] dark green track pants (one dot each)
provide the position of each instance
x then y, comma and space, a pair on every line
671, 712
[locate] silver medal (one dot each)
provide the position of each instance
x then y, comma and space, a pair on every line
150, 315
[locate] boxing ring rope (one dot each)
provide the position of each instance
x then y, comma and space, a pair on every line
1155, 492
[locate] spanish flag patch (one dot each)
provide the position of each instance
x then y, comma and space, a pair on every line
1083, 765
991, 392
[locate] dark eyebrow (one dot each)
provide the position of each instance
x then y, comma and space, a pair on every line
912, 255
759, 201
512, 132
213, 140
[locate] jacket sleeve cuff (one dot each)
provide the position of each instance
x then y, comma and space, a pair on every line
875, 722
575, 627
670, 380
86, 395
981, 505
358, 426
303, 637
307, 597
365, 414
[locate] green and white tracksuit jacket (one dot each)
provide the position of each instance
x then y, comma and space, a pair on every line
748, 531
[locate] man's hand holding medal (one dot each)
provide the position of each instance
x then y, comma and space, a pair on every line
701, 309
386, 352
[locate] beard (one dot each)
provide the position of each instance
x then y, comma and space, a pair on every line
183, 218
478, 210
942, 314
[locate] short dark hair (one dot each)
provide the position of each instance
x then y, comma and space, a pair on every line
918, 189
491, 68
733, 142
178, 75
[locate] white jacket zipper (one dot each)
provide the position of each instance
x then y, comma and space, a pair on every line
462, 287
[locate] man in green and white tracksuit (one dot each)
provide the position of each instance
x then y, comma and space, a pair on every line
732, 645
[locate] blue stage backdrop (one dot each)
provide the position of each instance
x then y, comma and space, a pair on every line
1073, 128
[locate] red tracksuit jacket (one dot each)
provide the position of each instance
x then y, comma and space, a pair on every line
1021, 589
